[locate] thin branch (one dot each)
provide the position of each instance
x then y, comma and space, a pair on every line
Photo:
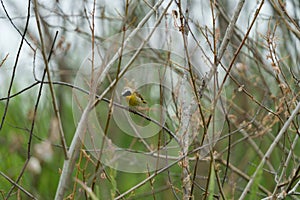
17, 186
3, 60
270, 150
285, 165
185, 108
54, 101
226, 39
15, 65
15, 27
33, 123
75, 144
129, 37
73, 154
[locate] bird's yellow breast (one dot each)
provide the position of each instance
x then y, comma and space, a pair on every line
135, 99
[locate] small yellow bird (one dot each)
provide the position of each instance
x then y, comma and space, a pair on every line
133, 97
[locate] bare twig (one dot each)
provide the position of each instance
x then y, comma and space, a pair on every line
17, 185
283, 171
73, 154
53, 96
15, 64
15, 27
3, 60
226, 39
33, 123
117, 54
129, 37
270, 150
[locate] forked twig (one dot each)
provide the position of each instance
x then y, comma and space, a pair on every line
270, 150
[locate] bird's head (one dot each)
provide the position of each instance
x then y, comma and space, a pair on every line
127, 92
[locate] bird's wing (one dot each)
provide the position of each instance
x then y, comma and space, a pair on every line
140, 96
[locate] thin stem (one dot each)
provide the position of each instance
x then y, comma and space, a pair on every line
270, 150
53, 97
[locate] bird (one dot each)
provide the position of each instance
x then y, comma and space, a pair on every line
133, 97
